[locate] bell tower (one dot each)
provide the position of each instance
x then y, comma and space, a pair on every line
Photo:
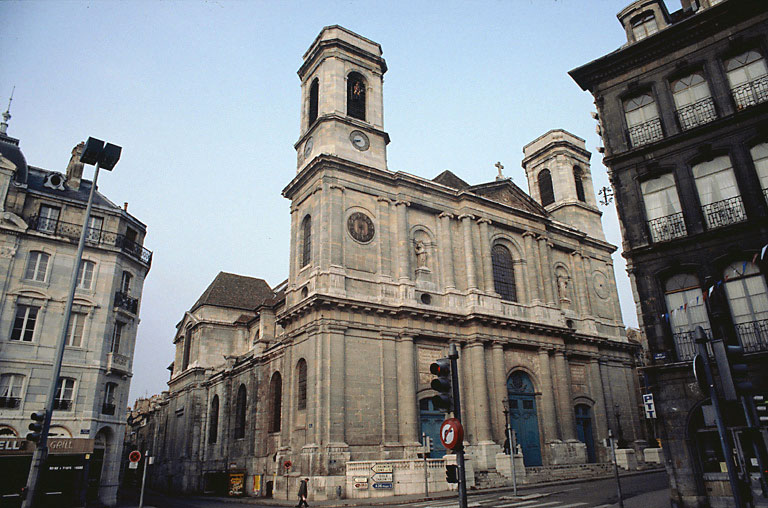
342, 101
557, 167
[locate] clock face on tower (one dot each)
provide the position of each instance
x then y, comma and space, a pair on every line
359, 140
360, 227
308, 147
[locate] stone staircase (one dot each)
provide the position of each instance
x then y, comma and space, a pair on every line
490, 479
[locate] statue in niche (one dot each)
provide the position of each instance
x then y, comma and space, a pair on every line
421, 254
562, 288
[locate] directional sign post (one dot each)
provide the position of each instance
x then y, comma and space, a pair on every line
384, 485
383, 477
383, 468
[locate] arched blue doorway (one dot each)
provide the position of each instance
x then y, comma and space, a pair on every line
430, 420
584, 429
523, 417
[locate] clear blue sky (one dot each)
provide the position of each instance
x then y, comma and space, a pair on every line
204, 99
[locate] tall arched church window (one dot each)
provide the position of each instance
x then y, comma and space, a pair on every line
545, 187
686, 311
356, 96
579, 183
275, 402
503, 273
314, 91
301, 384
240, 403
306, 246
748, 300
213, 423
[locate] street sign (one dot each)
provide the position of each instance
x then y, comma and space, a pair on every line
383, 468
360, 479
451, 433
133, 465
361, 485
650, 407
383, 477
134, 456
386, 485
287, 464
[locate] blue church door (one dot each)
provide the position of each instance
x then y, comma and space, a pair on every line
584, 429
430, 421
522, 415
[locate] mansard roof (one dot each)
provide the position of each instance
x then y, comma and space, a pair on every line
236, 292
36, 182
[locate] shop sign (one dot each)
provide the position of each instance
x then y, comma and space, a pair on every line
56, 446
236, 484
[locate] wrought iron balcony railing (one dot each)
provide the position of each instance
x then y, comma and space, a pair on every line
685, 345
645, 133
10, 402
753, 335
62, 404
698, 113
92, 235
751, 93
667, 228
108, 409
725, 212
123, 301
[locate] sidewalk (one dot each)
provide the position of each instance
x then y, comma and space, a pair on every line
645, 500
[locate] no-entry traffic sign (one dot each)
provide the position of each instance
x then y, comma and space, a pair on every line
134, 456
451, 433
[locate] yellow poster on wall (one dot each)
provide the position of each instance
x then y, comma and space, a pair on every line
236, 484
257, 484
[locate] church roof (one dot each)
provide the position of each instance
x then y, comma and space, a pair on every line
235, 291
448, 179
505, 191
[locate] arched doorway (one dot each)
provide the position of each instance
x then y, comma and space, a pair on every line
430, 420
584, 429
523, 417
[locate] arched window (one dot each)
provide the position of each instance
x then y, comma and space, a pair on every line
275, 402
686, 311
503, 273
301, 385
240, 404
314, 90
579, 184
356, 95
213, 421
545, 188
306, 246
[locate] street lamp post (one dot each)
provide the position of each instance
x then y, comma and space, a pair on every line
104, 156
512, 445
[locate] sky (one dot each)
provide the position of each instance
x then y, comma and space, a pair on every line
205, 101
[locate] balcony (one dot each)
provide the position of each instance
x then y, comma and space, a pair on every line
696, 114
93, 236
645, 133
667, 228
62, 404
751, 93
118, 363
125, 302
685, 345
108, 409
753, 336
723, 213
10, 402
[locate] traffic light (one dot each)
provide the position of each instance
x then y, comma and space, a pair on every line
442, 385
761, 408
734, 375
36, 426
452, 473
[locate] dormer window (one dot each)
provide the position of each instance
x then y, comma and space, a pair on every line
644, 25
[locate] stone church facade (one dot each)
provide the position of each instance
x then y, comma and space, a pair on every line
386, 270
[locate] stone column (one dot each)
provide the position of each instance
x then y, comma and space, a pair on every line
466, 224
408, 416
615, 307
548, 412
446, 244
293, 264
480, 391
610, 411
498, 391
485, 253
546, 271
586, 267
599, 410
581, 283
403, 256
385, 250
564, 397
634, 400
336, 384
468, 419
316, 374
533, 268
337, 224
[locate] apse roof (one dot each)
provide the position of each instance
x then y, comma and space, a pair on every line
235, 291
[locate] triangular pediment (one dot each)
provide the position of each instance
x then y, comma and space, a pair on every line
507, 193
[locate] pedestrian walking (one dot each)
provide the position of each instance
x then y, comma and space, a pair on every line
303, 493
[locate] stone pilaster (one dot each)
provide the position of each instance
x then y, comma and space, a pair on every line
485, 250
546, 271
337, 225
533, 267
610, 410
564, 397
385, 250
599, 410
336, 384
548, 412
480, 391
408, 415
446, 244
466, 224
403, 256
498, 389
577, 266
293, 262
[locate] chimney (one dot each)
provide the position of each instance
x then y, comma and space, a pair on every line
125, 206
75, 167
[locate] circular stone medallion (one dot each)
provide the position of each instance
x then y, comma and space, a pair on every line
360, 227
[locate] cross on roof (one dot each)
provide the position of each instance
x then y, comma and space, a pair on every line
499, 166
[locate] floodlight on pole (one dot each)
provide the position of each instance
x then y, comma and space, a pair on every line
95, 153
